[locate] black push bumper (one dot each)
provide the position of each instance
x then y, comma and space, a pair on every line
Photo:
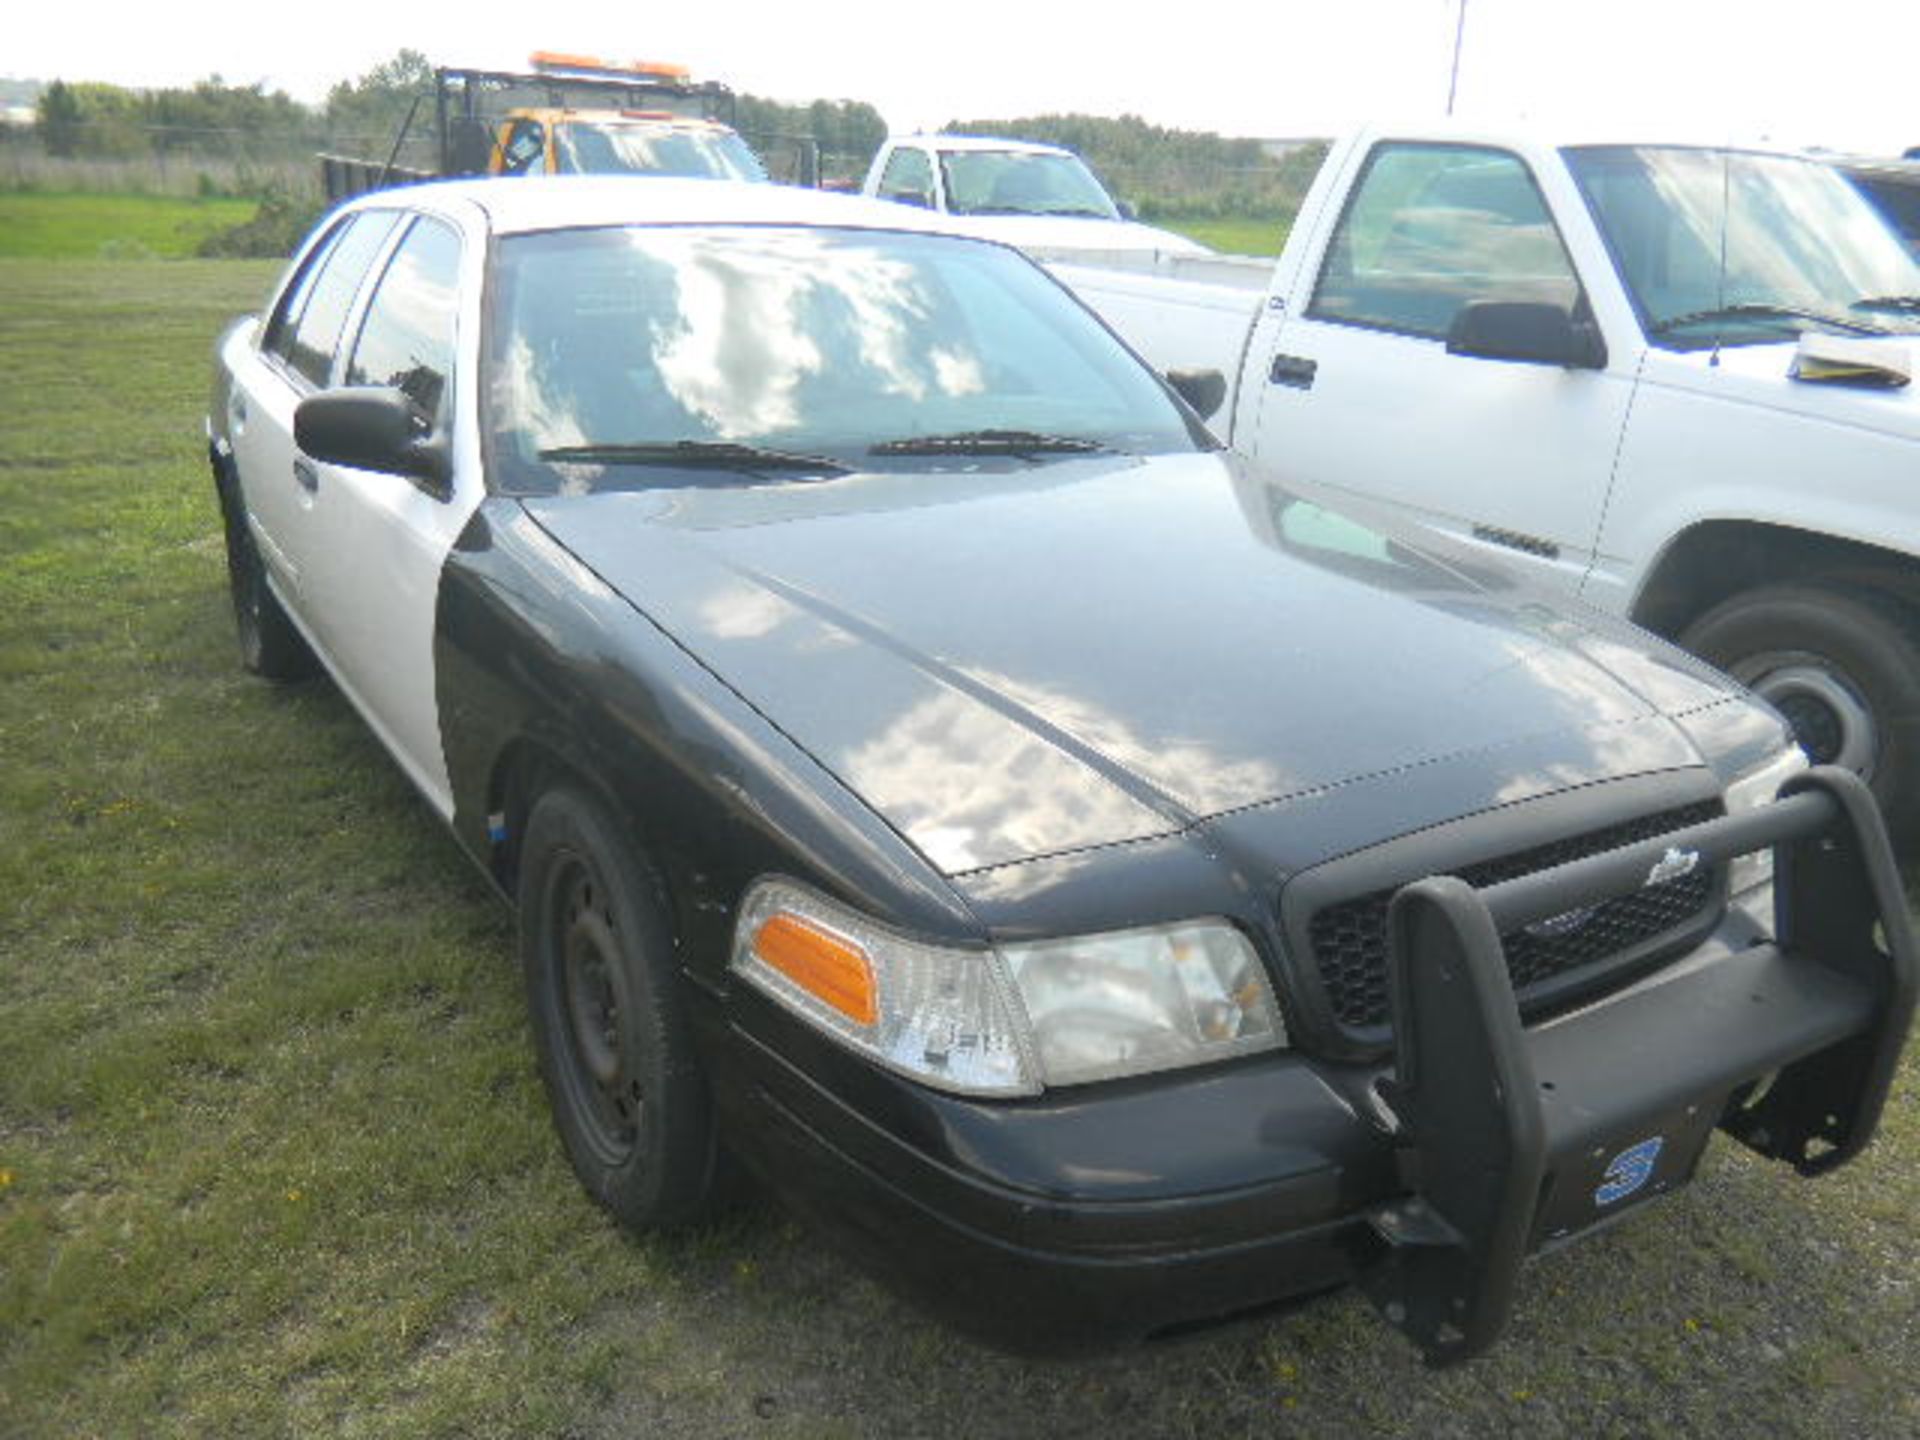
1098, 1215
1514, 1139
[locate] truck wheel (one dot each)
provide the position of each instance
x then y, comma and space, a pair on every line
1844, 669
270, 646
614, 1047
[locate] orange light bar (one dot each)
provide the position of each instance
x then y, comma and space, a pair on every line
834, 971
560, 60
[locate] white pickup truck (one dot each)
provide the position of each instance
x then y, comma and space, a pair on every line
1019, 192
1667, 379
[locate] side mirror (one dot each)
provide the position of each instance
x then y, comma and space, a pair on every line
1527, 331
1125, 211
1204, 390
370, 427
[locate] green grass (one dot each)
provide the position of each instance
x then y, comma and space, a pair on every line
61, 227
274, 1157
1235, 237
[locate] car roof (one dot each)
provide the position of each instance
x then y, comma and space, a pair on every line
983, 142
518, 204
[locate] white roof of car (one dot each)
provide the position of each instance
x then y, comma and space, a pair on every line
519, 203
981, 142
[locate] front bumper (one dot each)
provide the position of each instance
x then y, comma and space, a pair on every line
1118, 1212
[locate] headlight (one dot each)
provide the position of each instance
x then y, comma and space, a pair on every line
1759, 787
943, 1015
1008, 1021
1135, 1001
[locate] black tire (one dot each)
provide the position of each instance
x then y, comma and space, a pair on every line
270, 646
615, 1051
1843, 667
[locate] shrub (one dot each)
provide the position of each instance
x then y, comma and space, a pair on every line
280, 223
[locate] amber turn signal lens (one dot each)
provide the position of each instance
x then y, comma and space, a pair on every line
834, 971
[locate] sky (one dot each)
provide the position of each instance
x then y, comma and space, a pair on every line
1837, 74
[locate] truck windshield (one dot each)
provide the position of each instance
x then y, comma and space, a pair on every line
616, 353
1015, 182
1802, 249
605, 148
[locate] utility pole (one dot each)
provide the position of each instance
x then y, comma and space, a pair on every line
1459, 34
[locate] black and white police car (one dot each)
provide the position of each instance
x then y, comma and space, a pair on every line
1108, 890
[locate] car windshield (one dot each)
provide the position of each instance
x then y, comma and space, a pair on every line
654, 149
1016, 182
1802, 249
795, 350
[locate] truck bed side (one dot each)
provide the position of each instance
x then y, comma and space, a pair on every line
1178, 311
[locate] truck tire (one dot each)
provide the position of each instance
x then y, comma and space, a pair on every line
615, 1049
1843, 666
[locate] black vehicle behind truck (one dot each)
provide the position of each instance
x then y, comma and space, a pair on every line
570, 114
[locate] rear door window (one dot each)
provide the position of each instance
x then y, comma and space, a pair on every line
305, 332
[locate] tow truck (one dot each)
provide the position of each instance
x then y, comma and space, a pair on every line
572, 114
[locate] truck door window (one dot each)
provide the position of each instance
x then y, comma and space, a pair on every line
908, 178
526, 148
1430, 228
306, 332
406, 340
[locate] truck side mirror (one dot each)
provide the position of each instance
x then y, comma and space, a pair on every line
1526, 331
370, 427
1204, 390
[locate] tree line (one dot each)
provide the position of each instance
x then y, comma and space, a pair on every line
1173, 174
90, 120
1163, 172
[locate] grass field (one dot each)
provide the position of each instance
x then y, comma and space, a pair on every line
48, 226
274, 1158
1235, 237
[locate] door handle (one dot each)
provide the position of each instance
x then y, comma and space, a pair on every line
305, 476
1294, 371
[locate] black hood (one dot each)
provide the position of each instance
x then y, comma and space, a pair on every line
1021, 662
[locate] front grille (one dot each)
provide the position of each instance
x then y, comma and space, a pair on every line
1349, 938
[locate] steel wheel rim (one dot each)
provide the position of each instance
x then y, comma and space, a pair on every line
1829, 718
595, 1013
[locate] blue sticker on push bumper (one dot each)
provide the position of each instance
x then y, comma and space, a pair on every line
1628, 1171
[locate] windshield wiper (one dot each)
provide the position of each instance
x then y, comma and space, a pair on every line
988, 442
1762, 310
697, 454
1907, 303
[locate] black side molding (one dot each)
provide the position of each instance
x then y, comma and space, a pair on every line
1512, 1139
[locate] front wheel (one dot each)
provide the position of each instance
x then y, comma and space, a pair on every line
615, 1051
1843, 667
